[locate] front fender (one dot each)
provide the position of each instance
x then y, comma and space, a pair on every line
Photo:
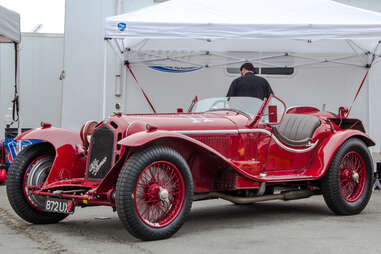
145, 137
55, 136
69, 161
327, 150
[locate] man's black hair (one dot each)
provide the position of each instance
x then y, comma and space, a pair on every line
247, 66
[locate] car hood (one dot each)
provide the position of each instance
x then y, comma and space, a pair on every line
183, 121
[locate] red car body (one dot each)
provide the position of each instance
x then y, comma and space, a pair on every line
228, 153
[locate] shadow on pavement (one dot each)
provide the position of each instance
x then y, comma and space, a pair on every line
203, 218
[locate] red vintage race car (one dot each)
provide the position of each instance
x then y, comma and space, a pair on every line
151, 167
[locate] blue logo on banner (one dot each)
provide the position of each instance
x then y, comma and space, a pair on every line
12, 148
174, 69
122, 26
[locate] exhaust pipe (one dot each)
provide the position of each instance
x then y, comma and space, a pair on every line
290, 195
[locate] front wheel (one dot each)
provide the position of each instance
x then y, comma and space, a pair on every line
347, 185
154, 193
31, 168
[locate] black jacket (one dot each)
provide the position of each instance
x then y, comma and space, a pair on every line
250, 85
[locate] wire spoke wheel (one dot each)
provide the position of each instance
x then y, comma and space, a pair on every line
347, 185
159, 194
154, 192
352, 176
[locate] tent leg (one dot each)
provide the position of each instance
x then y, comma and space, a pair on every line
104, 79
17, 92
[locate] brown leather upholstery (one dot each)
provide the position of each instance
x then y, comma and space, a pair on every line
296, 129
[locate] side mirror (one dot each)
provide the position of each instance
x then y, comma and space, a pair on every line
274, 111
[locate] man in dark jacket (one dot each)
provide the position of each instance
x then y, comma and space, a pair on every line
249, 84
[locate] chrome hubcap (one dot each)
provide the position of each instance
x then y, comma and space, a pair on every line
355, 177
36, 175
163, 194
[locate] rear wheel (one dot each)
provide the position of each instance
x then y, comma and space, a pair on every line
31, 168
347, 185
154, 193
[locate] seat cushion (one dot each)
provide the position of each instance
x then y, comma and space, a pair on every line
296, 129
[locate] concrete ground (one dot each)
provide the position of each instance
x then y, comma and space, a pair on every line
216, 226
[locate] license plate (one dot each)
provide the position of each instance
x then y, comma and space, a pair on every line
56, 205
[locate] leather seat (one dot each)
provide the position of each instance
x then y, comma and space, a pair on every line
296, 129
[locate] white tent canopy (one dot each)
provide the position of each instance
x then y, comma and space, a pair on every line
9, 26
270, 33
247, 19
10, 33
210, 26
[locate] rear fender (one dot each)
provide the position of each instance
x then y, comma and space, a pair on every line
143, 138
327, 150
70, 161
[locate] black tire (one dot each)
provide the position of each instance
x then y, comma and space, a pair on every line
14, 186
127, 182
330, 185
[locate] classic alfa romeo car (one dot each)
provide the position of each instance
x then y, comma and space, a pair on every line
151, 167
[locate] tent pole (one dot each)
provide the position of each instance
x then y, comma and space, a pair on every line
104, 79
17, 92
17, 87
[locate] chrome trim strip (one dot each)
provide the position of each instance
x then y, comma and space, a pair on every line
311, 147
208, 132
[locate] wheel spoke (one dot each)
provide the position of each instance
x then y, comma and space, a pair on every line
352, 176
159, 194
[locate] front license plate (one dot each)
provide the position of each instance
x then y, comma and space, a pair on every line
56, 205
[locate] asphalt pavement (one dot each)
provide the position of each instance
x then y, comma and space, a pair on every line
215, 226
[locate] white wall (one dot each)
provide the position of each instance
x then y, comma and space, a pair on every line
40, 87
84, 60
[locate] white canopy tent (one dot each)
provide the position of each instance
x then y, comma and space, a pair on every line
214, 33
9, 26
247, 19
10, 33
229, 25
215, 29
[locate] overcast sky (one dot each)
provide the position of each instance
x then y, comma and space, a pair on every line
49, 13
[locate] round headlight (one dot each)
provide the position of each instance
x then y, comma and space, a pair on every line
86, 131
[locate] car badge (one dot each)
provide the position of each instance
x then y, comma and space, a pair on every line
95, 166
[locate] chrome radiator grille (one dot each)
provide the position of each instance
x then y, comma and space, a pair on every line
101, 154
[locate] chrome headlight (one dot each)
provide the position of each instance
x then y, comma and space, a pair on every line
87, 131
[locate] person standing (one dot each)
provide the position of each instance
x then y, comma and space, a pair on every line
249, 84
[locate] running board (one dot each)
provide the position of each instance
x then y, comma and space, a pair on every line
286, 178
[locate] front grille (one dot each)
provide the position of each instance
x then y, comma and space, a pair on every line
101, 153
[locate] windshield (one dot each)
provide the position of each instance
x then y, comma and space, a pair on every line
248, 106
